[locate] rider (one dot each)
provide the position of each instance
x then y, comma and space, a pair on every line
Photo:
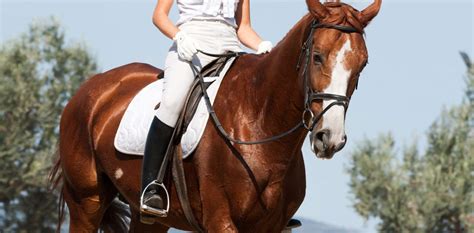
213, 26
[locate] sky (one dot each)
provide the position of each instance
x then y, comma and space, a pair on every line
414, 69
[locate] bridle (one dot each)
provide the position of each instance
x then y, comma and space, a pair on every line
310, 94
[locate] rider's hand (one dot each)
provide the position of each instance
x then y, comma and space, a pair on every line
186, 45
264, 47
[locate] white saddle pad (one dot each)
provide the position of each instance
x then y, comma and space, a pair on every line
133, 129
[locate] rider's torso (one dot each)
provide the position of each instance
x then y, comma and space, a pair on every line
223, 10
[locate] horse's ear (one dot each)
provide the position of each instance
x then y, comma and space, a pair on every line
370, 12
317, 9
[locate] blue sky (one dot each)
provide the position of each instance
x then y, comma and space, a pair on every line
414, 69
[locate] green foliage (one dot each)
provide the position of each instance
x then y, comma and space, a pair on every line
39, 72
431, 191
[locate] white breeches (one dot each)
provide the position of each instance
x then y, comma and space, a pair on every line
212, 37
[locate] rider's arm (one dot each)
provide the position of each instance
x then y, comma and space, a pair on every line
161, 19
245, 32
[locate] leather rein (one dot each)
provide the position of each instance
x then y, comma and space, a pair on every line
310, 94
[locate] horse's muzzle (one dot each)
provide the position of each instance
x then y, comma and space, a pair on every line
321, 145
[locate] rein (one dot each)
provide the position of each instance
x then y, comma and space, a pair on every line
214, 117
310, 94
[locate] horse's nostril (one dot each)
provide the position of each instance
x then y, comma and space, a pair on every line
322, 135
319, 136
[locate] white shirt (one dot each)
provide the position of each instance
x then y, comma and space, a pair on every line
207, 10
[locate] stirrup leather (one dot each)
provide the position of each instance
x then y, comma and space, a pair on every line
151, 210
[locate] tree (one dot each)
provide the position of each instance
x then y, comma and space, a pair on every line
430, 191
39, 72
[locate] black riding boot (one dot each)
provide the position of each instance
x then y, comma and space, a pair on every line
156, 145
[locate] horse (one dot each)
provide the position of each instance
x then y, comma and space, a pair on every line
261, 96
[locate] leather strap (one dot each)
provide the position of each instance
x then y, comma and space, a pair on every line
341, 28
181, 189
221, 129
228, 54
179, 177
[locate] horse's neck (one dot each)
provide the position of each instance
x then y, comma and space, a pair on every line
280, 85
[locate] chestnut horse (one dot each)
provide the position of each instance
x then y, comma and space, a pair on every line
261, 96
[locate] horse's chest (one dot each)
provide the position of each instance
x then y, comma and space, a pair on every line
271, 199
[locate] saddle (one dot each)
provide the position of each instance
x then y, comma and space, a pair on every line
131, 134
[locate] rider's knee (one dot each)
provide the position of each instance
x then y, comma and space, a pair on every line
172, 104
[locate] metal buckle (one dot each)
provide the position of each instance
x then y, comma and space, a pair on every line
153, 211
307, 123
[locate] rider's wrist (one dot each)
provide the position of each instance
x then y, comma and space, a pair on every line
179, 36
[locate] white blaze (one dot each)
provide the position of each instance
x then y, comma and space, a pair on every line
333, 119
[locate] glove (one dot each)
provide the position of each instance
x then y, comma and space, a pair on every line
264, 47
186, 46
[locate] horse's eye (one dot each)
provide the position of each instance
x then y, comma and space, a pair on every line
318, 58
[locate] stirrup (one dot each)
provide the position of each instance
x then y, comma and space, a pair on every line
151, 210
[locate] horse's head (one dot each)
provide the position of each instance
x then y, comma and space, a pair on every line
336, 54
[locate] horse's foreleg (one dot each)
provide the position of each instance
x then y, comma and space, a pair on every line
227, 227
218, 221
216, 215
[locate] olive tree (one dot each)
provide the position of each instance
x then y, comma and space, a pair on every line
424, 191
39, 71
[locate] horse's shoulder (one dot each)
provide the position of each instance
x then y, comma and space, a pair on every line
249, 58
244, 64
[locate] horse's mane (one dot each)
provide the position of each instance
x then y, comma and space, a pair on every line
343, 14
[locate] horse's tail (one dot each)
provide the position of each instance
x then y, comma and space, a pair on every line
116, 218
54, 179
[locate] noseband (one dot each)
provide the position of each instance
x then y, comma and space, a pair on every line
310, 94
309, 119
